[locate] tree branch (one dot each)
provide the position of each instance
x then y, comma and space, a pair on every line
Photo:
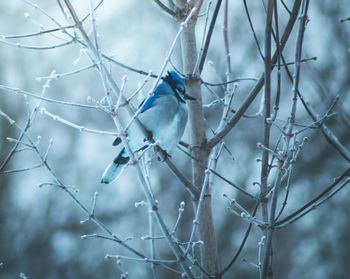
255, 91
208, 37
164, 8
310, 205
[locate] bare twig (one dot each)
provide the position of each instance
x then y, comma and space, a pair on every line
267, 115
49, 100
344, 19
256, 89
323, 196
76, 126
208, 36
267, 258
228, 82
164, 8
246, 235
36, 47
219, 175
252, 29
34, 34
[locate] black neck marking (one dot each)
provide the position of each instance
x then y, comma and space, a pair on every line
172, 84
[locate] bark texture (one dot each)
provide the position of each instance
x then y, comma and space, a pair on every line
209, 259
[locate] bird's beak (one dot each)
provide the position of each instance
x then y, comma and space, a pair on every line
188, 97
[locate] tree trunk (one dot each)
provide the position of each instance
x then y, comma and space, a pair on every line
208, 253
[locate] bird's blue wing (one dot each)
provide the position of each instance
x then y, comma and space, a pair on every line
162, 89
148, 104
145, 106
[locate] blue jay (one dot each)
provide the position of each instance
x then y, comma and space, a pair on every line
164, 116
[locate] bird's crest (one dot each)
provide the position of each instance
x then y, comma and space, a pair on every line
175, 81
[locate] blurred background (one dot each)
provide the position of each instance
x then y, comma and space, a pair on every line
40, 230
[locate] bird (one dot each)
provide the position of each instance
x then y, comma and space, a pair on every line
163, 115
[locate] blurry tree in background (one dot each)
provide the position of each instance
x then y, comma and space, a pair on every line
267, 139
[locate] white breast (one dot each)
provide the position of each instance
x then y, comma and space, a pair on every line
166, 121
171, 134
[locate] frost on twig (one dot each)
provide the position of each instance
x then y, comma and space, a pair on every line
241, 212
71, 187
76, 126
92, 212
117, 258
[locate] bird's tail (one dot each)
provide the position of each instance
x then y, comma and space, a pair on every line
114, 169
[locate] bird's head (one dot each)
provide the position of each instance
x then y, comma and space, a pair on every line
178, 86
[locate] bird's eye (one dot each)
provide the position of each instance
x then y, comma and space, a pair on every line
181, 89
